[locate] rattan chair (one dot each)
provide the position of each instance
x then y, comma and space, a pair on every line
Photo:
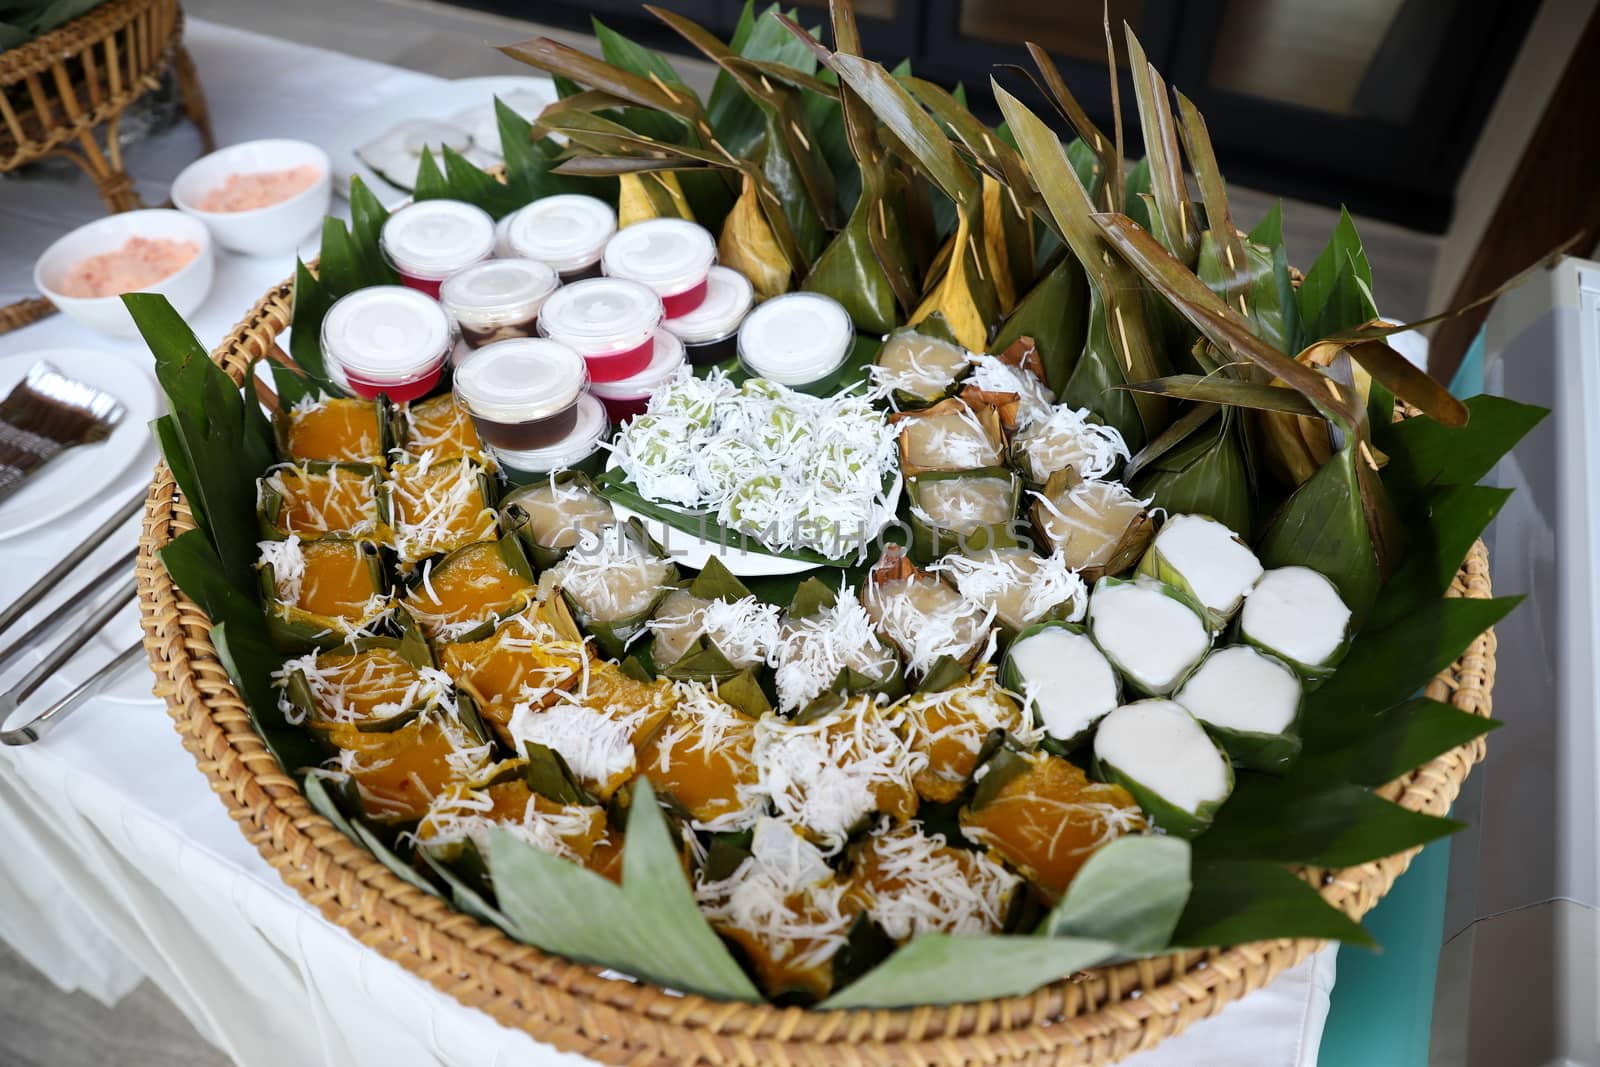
64, 94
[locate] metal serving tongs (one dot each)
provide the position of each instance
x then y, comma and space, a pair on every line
103, 611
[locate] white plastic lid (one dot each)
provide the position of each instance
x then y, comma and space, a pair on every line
669, 255
577, 446
498, 291
666, 361
386, 332
797, 338
435, 238
568, 231
520, 380
729, 295
600, 313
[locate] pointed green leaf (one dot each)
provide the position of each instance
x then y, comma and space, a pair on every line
1423, 453
1373, 750
1269, 231
1386, 666
1131, 893
1323, 526
649, 928
942, 969
1343, 252
1451, 519
1055, 313
1254, 395
1161, 150
1340, 826
1205, 475
1234, 902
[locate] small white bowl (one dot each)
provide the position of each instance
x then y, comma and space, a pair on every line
270, 230
185, 289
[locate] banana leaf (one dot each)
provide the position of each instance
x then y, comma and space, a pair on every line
1055, 314
961, 291
716, 582
659, 107
790, 160
213, 446
1009, 199
749, 245
547, 774
708, 197
812, 596
1092, 151
867, 266
1131, 892
702, 661
649, 927
1136, 188
1343, 254
1118, 346
1179, 229
735, 117
1098, 380
321, 798
1324, 526
530, 163
1206, 475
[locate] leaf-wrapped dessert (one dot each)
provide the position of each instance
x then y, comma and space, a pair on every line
675, 777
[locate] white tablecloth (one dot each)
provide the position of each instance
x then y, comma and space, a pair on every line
120, 865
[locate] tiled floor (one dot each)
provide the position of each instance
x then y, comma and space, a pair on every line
41, 1027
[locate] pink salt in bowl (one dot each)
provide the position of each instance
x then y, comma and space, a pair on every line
261, 198
155, 251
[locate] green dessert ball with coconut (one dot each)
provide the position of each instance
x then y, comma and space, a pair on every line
1205, 559
1296, 614
1250, 701
1152, 633
1158, 752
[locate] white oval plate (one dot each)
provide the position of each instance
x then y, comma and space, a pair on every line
441, 103
88, 471
691, 551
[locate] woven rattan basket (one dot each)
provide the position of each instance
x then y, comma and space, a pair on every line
64, 93
1095, 1018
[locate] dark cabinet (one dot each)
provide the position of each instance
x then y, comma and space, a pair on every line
1377, 102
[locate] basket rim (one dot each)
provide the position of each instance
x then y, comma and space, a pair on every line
1096, 1017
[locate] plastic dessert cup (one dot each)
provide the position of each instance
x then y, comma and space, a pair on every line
522, 393
710, 332
671, 256
568, 231
387, 339
798, 340
630, 396
579, 449
430, 240
498, 299
608, 321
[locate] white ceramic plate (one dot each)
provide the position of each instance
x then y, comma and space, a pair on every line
88, 472
691, 551
442, 103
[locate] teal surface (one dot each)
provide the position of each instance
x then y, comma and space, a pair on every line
1469, 376
1382, 1005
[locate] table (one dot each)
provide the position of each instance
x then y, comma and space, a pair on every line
119, 863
